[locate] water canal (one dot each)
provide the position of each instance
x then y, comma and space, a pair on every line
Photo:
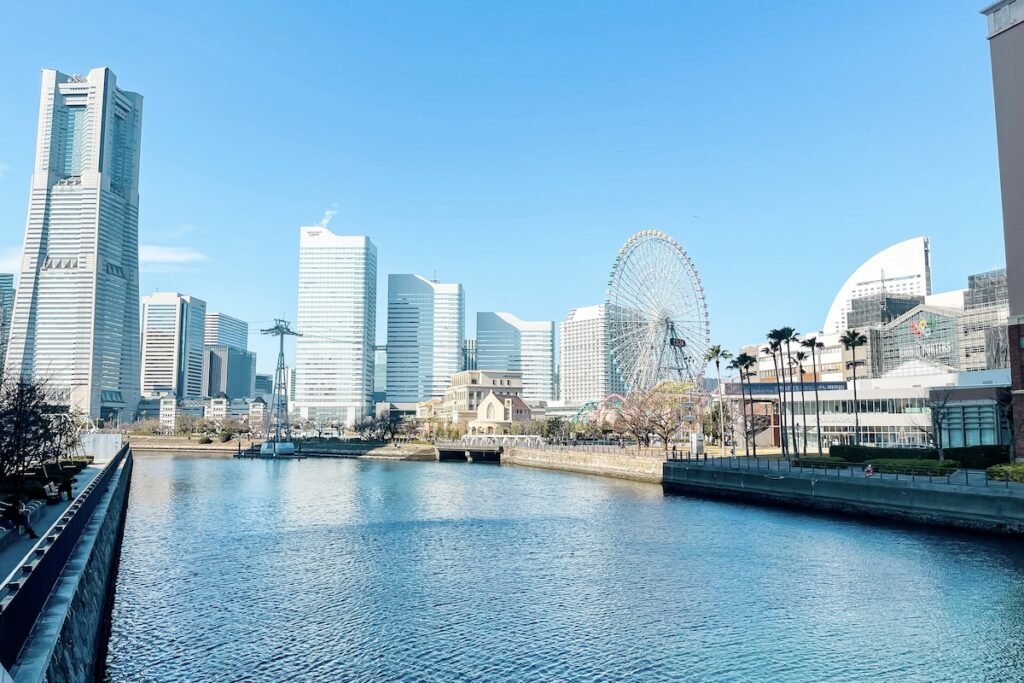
344, 570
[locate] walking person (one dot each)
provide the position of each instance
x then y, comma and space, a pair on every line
67, 486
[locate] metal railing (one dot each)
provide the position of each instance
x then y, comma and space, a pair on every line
26, 589
956, 477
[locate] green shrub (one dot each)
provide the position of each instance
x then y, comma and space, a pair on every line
819, 463
224, 437
917, 466
979, 457
1006, 472
203, 440
865, 453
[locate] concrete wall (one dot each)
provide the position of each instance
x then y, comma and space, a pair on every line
620, 465
69, 641
989, 509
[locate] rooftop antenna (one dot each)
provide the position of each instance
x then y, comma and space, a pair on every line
279, 399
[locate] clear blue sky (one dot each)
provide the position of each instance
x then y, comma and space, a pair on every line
514, 147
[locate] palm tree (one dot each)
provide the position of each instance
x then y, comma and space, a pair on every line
788, 335
743, 362
716, 354
851, 339
813, 344
800, 357
775, 347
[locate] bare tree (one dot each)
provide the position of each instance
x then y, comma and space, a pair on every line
635, 417
32, 430
665, 416
938, 399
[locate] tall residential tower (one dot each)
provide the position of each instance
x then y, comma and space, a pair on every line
76, 312
337, 318
585, 371
426, 328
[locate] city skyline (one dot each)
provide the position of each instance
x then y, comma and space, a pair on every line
601, 160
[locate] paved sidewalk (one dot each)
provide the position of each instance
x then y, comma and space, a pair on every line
11, 557
961, 478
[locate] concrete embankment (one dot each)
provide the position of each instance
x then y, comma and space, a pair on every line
987, 509
68, 640
621, 465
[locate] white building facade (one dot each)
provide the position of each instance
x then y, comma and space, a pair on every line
224, 330
172, 345
904, 269
506, 343
337, 320
76, 314
585, 370
426, 329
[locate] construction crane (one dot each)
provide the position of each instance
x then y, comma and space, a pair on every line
279, 401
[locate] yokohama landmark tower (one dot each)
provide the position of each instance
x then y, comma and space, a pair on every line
76, 313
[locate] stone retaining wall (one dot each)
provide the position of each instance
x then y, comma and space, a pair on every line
988, 509
619, 465
70, 638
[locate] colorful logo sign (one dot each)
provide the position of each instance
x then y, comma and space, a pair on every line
922, 328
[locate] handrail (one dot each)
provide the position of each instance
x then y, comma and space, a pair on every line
28, 586
777, 463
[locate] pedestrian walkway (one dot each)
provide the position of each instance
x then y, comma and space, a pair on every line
11, 557
961, 477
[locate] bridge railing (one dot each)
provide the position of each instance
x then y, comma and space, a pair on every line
26, 589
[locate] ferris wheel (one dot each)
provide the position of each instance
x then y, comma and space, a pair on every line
657, 315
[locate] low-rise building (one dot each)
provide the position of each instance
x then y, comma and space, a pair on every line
468, 389
168, 413
498, 413
258, 417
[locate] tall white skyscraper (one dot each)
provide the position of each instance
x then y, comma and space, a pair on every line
6, 309
223, 330
504, 342
337, 318
426, 328
76, 312
585, 371
172, 344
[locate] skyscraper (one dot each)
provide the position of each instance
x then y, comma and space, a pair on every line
426, 327
172, 344
76, 312
585, 371
337, 317
228, 370
223, 330
6, 308
1006, 46
504, 342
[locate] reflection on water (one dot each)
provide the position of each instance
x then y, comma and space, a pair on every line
358, 570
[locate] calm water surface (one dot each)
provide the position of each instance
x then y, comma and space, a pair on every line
358, 570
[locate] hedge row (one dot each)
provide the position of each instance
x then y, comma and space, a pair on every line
975, 457
915, 466
820, 463
1006, 472
934, 468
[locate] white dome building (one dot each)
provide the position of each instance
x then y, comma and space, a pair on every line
904, 269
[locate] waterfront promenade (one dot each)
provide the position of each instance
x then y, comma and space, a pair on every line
13, 554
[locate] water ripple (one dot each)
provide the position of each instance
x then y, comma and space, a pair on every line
370, 571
